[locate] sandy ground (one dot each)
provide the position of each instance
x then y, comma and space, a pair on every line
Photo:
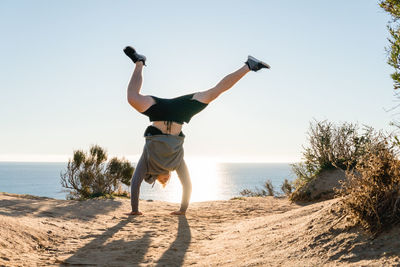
245, 232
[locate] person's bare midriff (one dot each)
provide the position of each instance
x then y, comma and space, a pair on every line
175, 129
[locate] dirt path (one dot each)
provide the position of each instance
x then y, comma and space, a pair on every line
244, 232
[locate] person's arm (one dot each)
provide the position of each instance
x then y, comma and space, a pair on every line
184, 177
138, 176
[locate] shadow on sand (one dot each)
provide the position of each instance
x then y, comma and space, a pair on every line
175, 254
23, 205
100, 251
117, 252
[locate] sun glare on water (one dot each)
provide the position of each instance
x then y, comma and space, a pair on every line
205, 182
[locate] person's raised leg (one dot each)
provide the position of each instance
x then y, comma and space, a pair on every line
135, 99
252, 64
225, 84
184, 177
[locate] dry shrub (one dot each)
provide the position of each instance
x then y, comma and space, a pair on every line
371, 195
329, 146
287, 187
332, 146
268, 190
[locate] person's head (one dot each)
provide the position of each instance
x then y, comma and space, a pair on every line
164, 178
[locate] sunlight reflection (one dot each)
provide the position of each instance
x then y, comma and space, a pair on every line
205, 182
214, 180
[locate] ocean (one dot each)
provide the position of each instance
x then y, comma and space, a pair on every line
210, 180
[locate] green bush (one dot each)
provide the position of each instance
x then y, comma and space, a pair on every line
89, 175
392, 7
330, 146
371, 195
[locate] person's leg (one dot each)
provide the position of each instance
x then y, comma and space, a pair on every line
225, 84
138, 101
137, 178
184, 177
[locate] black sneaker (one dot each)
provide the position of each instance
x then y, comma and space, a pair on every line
255, 64
131, 53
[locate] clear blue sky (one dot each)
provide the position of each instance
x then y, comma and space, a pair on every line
63, 74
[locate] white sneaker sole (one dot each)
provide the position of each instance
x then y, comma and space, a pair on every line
259, 61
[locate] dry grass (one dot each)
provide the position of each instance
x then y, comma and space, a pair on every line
371, 195
287, 187
268, 190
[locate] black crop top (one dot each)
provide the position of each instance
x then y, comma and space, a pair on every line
179, 109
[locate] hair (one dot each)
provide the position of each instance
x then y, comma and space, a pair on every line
163, 182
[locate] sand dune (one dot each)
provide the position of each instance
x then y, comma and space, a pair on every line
246, 232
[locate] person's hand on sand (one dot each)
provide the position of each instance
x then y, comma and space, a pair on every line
134, 213
178, 212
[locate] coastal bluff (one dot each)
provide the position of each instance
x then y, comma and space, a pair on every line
268, 231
